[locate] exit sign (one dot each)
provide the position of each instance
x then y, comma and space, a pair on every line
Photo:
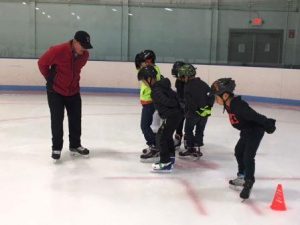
257, 21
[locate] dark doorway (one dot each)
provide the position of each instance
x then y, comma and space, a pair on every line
255, 47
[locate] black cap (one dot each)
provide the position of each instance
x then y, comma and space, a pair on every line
84, 39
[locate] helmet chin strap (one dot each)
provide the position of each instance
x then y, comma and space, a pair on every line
149, 83
224, 102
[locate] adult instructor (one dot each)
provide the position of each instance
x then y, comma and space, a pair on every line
61, 66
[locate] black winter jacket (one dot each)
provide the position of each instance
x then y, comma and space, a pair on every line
242, 116
197, 95
179, 84
165, 99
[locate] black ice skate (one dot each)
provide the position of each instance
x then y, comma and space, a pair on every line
79, 151
193, 153
56, 154
150, 157
245, 193
147, 150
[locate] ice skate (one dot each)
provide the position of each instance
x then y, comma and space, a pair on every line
151, 156
79, 151
56, 155
191, 153
198, 152
148, 149
245, 193
238, 181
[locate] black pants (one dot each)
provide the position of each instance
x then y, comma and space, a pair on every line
146, 121
57, 104
245, 151
198, 123
180, 127
164, 137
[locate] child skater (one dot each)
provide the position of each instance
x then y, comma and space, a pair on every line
150, 154
198, 103
252, 126
167, 104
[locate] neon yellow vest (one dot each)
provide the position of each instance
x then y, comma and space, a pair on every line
145, 92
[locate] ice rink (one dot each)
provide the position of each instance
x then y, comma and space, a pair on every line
112, 187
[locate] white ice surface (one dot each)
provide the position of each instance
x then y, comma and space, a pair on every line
112, 187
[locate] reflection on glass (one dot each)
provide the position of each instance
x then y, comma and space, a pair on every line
241, 48
192, 31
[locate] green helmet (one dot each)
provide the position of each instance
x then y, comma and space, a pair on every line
187, 70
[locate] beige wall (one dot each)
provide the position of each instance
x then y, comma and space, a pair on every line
262, 82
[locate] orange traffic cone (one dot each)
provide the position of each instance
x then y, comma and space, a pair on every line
278, 200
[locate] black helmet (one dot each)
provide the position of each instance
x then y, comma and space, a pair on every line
138, 60
223, 85
187, 70
176, 67
148, 54
146, 72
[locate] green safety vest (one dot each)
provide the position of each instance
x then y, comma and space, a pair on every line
145, 92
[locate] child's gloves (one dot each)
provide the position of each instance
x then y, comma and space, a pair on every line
204, 112
270, 126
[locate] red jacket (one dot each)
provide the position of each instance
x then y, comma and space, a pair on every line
62, 69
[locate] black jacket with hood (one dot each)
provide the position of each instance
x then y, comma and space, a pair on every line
197, 95
165, 99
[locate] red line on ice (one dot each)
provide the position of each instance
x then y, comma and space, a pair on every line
188, 187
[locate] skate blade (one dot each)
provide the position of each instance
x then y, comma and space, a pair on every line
150, 160
235, 187
56, 161
190, 158
161, 171
76, 154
